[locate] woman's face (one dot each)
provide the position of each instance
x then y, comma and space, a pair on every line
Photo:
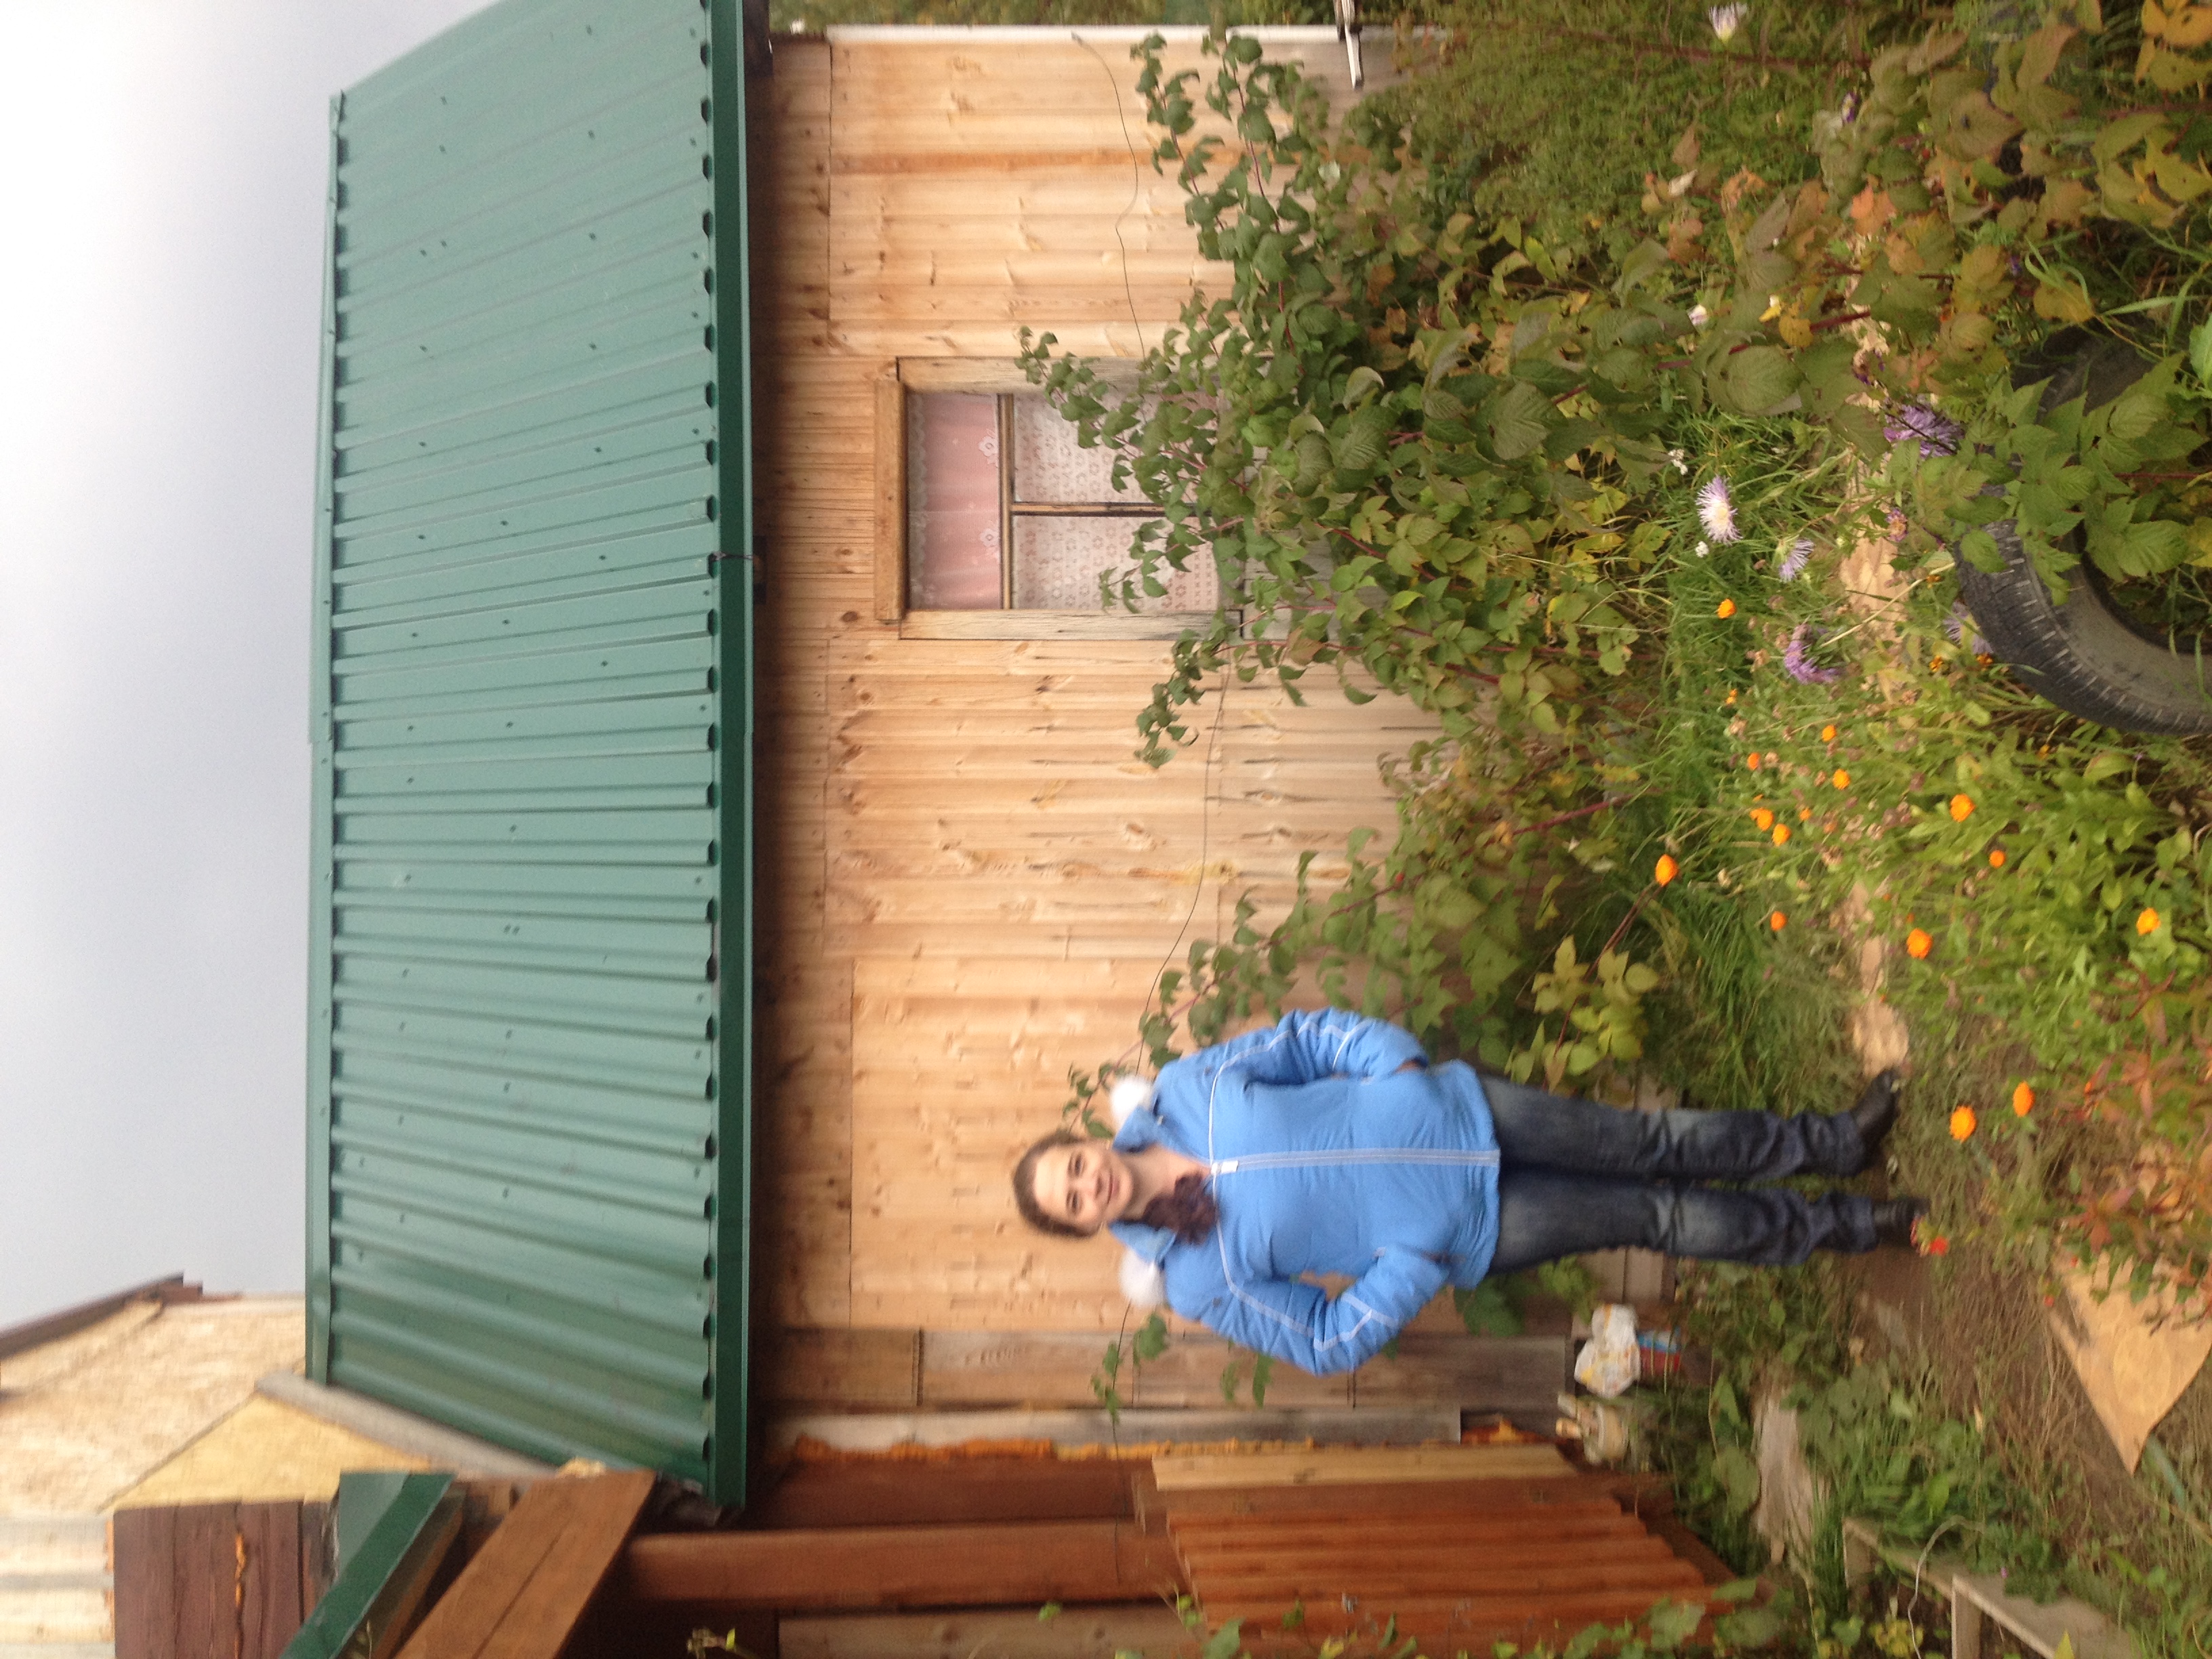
1086, 1185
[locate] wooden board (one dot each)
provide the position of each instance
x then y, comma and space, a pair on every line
1077, 1633
1343, 1465
1525, 1572
525, 1591
889, 1493
841, 1366
214, 1580
1013, 1566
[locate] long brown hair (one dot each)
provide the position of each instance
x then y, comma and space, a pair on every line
1186, 1209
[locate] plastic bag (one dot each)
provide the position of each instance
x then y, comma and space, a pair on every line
1607, 1364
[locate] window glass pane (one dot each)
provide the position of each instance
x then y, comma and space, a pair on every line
952, 502
1050, 466
1057, 560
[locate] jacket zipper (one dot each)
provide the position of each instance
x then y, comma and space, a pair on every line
1357, 1155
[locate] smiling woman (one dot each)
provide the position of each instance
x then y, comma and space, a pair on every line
1329, 1145
1072, 1185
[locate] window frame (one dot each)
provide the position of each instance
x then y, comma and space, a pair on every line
993, 377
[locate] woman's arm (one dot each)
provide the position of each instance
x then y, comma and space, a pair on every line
1301, 1323
1306, 1047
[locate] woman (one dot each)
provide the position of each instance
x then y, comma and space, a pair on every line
1329, 1145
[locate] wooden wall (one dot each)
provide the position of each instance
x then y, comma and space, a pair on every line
968, 880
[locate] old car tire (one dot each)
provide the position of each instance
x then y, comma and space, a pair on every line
2081, 655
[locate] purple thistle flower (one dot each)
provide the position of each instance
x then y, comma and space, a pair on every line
1795, 561
1938, 434
1717, 511
1797, 658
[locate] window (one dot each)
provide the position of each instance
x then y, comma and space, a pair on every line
993, 523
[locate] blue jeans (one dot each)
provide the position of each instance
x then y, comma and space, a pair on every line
1575, 1176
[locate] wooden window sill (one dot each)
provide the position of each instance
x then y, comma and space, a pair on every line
1052, 624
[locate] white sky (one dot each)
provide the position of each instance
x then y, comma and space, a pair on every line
161, 186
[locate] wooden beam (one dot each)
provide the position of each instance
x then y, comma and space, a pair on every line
965, 1490
833, 1366
1327, 1466
890, 498
51, 1328
954, 1566
528, 1588
1077, 1633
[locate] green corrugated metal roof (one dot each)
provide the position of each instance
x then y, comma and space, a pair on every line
529, 1041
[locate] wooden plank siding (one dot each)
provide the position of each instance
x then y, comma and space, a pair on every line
967, 881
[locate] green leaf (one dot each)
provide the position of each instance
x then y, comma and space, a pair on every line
1048, 1613
1519, 419
1736, 1589
1263, 1370
2200, 350
1486, 1310
1366, 438
1226, 1643
1739, 1477
1360, 385
1762, 379
1673, 1621
1151, 1339
1750, 1628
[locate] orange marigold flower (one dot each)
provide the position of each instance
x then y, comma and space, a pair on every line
1726, 608
1781, 833
1762, 817
1962, 808
1963, 1121
1731, 697
1936, 1244
1841, 779
1935, 664
2023, 1100
1776, 921
2147, 921
1751, 761
1996, 857
1828, 735
1804, 815
1918, 943
1666, 870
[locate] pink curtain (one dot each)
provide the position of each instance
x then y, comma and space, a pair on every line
952, 502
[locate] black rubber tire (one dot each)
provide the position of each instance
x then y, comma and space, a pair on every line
2082, 655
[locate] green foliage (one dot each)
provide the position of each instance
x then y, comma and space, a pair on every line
1889, 1454
1497, 1307
1149, 1343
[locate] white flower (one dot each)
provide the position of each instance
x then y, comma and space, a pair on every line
1681, 460
1727, 20
1703, 548
1699, 316
1717, 512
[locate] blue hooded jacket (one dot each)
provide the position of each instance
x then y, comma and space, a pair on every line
1324, 1158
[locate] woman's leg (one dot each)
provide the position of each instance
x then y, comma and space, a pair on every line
1546, 1213
1559, 1132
